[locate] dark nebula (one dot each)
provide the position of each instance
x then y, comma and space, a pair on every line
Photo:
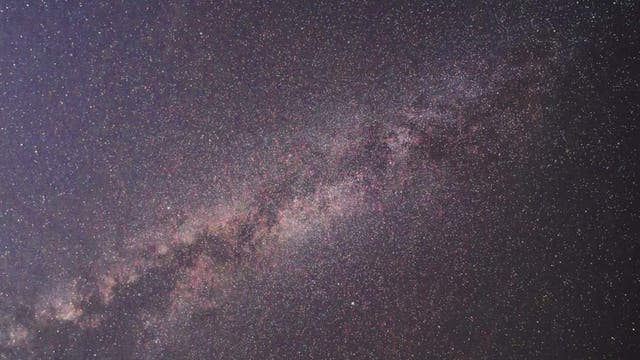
319, 180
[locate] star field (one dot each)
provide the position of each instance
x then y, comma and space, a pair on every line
332, 180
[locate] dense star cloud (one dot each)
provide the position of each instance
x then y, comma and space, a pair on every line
278, 180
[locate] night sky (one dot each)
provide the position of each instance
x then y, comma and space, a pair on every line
319, 180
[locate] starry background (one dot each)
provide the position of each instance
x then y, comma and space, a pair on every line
319, 180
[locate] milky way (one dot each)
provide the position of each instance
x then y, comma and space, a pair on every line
333, 180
